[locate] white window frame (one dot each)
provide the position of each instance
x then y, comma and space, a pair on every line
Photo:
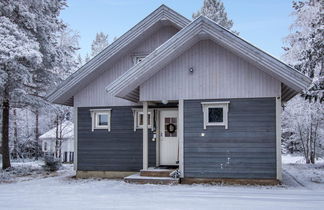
217, 104
137, 113
95, 118
138, 58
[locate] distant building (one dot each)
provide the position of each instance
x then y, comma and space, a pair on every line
65, 133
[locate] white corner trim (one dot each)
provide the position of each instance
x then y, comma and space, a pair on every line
278, 138
215, 104
181, 137
145, 136
94, 113
75, 162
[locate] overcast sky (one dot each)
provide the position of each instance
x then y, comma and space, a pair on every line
263, 23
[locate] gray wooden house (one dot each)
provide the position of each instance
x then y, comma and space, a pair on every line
178, 94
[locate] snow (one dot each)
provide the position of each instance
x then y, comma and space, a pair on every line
67, 131
310, 176
62, 191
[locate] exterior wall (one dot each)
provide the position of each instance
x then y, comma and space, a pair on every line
95, 95
217, 73
67, 146
121, 149
247, 149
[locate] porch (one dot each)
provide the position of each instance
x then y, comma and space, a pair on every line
165, 119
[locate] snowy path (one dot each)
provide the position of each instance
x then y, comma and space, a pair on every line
63, 192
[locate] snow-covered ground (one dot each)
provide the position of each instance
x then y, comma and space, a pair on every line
61, 191
309, 176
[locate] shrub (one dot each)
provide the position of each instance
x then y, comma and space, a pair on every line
52, 163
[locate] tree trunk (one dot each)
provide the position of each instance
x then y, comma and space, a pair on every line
37, 134
5, 131
15, 143
57, 137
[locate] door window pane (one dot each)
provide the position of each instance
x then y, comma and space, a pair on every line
170, 127
215, 115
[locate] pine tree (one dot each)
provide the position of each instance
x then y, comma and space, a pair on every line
18, 51
27, 55
87, 58
305, 46
100, 43
215, 10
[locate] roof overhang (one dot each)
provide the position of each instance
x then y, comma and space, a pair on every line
67, 89
126, 86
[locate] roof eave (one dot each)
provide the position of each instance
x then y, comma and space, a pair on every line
63, 94
284, 73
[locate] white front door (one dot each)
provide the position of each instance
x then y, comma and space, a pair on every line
169, 143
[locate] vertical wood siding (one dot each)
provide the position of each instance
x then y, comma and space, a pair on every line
247, 149
218, 73
95, 95
121, 149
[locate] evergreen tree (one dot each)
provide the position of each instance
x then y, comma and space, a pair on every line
28, 54
87, 58
305, 46
18, 52
100, 43
215, 10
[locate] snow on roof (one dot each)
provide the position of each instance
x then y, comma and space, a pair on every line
67, 131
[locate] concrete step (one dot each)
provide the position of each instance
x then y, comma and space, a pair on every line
156, 172
138, 179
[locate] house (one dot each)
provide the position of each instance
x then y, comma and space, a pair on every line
178, 94
66, 138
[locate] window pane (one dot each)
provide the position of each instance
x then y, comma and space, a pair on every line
148, 119
140, 122
215, 115
103, 119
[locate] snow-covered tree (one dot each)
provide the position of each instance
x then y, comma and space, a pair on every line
87, 58
100, 43
304, 122
215, 10
18, 52
27, 55
305, 47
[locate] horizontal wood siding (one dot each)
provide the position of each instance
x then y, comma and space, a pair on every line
121, 149
247, 149
217, 73
95, 95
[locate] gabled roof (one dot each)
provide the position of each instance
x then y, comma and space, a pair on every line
126, 86
67, 131
67, 89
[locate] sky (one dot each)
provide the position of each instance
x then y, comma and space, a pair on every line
264, 23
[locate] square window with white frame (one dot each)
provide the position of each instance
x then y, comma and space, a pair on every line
139, 118
215, 114
101, 118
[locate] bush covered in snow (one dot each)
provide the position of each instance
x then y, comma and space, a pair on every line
52, 163
20, 169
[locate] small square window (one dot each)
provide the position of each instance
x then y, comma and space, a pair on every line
139, 118
100, 118
215, 114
